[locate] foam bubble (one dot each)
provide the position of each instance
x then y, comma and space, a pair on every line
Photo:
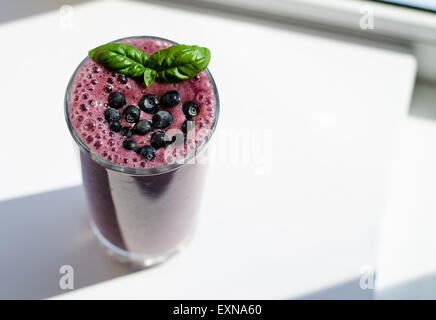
98, 144
108, 88
89, 125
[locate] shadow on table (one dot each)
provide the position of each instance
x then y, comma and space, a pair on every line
349, 290
423, 288
41, 233
422, 105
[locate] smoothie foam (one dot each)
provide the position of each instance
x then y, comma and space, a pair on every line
92, 83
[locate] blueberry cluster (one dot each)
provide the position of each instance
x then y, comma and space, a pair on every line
161, 119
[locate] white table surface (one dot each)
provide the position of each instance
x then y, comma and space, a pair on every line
299, 219
407, 259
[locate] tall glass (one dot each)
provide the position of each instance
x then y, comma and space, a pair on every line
142, 216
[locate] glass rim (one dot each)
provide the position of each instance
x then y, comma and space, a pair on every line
138, 171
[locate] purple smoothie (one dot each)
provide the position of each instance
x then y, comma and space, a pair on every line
141, 209
89, 93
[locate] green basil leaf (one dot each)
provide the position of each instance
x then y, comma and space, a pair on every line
179, 62
121, 58
149, 76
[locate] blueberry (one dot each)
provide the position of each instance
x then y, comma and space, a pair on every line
115, 125
149, 103
147, 152
187, 125
111, 114
130, 145
132, 114
162, 119
122, 79
126, 132
116, 99
142, 127
190, 109
170, 99
159, 139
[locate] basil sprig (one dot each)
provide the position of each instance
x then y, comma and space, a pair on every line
121, 58
180, 62
173, 64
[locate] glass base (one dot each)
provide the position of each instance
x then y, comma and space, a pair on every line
136, 261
